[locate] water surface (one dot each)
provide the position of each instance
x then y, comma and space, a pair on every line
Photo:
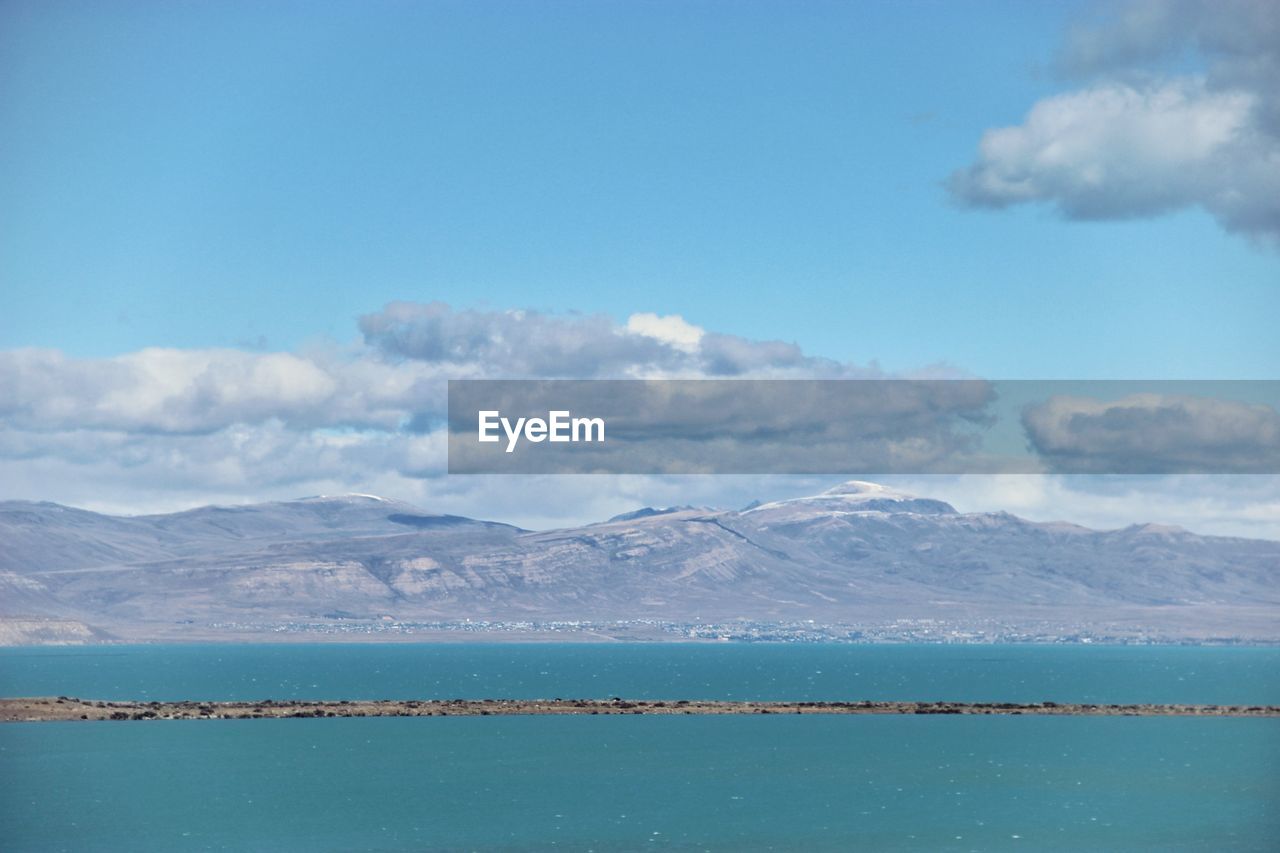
630, 783
1001, 673
624, 783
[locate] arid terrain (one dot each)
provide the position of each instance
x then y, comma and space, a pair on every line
881, 564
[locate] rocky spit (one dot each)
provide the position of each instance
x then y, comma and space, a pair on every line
64, 708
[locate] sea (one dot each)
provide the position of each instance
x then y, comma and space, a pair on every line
621, 783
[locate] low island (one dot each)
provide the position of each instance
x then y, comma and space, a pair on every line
64, 708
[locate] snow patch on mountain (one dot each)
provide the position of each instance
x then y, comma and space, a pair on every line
854, 496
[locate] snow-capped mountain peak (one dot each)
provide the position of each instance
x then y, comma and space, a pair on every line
352, 497
867, 490
856, 496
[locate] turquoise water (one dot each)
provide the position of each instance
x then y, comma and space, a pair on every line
627, 783
1097, 674
646, 783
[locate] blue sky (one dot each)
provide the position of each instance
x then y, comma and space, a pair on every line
259, 175
242, 245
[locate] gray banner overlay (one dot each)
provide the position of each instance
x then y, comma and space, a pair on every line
879, 426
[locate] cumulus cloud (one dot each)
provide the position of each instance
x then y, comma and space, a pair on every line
1154, 434
671, 329
1238, 40
162, 427
196, 391
1137, 142
119, 471
530, 344
396, 378
523, 343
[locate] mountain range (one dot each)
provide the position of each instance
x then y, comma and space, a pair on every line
859, 556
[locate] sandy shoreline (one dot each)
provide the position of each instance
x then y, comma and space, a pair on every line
40, 709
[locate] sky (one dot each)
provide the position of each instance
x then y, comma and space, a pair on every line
215, 212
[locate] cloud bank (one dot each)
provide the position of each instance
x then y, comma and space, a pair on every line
533, 345
1137, 140
163, 428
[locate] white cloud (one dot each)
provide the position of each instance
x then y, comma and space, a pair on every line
162, 429
192, 391
1136, 142
531, 344
398, 375
1113, 151
671, 329
167, 428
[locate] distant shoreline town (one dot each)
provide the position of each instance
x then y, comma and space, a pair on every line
344, 629
656, 630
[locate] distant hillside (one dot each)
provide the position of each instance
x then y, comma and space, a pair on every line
859, 553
